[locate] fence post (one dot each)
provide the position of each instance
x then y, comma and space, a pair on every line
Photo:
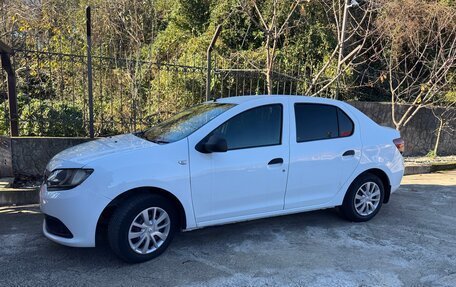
208, 54
89, 69
6, 53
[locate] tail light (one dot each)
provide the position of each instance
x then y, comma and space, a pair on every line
400, 144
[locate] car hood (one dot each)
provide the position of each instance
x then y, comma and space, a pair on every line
80, 155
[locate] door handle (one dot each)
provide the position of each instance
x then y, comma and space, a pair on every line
276, 161
349, 152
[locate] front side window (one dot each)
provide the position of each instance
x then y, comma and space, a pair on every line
257, 127
318, 122
185, 123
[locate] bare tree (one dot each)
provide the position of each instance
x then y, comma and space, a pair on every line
274, 24
127, 27
446, 119
3, 19
419, 50
354, 28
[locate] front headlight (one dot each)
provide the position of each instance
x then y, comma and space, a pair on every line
63, 179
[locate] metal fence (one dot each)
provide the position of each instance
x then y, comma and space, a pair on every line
237, 78
130, 92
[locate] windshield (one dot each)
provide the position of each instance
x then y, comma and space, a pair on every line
184, 123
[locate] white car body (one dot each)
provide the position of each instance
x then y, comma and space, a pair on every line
220, 188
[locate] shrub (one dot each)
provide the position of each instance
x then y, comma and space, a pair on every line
50, 118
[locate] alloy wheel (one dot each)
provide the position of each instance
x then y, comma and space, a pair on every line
149, 230
367, 198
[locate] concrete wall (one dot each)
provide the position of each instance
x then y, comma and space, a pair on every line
29, 155
6, 165
419, 134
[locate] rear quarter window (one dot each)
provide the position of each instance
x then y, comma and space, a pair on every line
346, 125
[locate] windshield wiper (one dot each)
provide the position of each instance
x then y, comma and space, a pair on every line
142, 134
158, 141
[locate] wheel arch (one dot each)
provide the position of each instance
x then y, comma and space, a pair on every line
115, 203
383, 177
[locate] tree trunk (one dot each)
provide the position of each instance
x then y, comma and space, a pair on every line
437, 141
269, 81
269, 64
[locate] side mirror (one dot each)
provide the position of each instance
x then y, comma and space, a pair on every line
215, 143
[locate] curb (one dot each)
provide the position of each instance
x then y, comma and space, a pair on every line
19, 196
419, 169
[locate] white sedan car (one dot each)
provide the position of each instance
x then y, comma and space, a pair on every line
219, 162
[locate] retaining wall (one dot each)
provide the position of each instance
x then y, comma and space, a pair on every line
28, 156
419, 134
6, 166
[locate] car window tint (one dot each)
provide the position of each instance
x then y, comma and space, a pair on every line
315, 122
345, 124
261, 126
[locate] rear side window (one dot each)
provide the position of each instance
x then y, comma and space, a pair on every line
318, 122
261, 126
315, 122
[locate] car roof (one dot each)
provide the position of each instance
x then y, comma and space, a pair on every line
243, 99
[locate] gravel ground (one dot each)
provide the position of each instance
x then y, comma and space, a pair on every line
411, 242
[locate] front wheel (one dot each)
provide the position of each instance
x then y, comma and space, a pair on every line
142, 228
363, 199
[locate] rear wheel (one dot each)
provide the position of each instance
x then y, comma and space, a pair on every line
364, 198
142, 228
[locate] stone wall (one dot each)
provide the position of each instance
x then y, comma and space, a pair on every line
419, 134
30, 155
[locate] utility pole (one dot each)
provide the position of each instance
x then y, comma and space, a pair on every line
209, 64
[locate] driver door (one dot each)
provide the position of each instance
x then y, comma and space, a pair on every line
250, 177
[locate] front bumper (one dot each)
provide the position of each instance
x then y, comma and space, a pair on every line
77, 209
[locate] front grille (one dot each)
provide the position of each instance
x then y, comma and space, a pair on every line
56, 227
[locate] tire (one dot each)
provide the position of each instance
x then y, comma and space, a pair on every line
366, 188
127, 227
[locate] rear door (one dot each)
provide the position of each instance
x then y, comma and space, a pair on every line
325, 149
